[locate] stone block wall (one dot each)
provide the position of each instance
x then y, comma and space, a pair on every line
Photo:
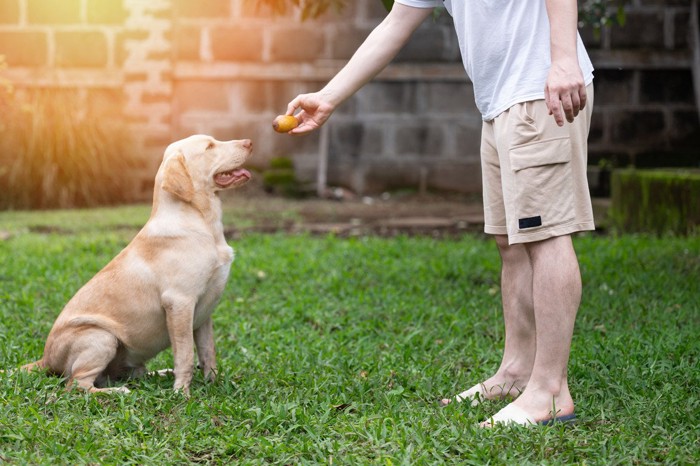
645, 113
228, 67
116, 53
237, 67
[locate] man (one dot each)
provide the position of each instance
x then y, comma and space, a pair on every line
532, 83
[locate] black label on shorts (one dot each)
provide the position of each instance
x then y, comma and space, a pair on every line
530, 222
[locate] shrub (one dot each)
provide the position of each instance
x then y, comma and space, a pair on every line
57, 151
658, 201
280, 178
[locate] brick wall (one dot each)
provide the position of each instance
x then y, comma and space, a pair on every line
227, 67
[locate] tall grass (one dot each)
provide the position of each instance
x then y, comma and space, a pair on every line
57, 150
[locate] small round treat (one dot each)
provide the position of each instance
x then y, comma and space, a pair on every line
284, 123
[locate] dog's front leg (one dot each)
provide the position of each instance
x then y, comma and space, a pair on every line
204, 340
179, 313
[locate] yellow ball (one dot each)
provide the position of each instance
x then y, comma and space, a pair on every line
284, 123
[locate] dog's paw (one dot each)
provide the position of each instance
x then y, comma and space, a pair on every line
106, 390
184, 391
182, 386
209, 374
162, 373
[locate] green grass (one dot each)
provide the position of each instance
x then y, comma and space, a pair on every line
334, 351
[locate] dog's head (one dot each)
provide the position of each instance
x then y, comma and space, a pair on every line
201, 164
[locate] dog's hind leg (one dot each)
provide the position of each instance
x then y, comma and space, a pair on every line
93, 349
206, 353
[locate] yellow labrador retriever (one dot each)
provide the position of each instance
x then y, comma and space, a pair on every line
161, 289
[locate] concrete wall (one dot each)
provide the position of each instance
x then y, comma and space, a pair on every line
171, 68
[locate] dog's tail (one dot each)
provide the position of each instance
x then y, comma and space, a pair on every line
33, 366
27, 367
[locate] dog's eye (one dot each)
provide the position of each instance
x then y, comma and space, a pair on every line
210, 146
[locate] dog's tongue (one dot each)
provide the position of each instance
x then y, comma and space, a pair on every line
227, 178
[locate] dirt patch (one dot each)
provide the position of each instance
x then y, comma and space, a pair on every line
386, 215
436, 215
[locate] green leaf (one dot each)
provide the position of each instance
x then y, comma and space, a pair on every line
621, 17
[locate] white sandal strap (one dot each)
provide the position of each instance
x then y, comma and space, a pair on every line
475, 394
512, 414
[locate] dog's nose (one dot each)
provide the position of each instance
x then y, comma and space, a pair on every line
247, 143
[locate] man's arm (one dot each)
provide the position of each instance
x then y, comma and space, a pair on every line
565, 90
375, 53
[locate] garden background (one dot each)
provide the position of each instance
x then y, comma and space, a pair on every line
348, 316
153, 72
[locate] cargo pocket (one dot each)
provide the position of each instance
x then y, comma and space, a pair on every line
543, 185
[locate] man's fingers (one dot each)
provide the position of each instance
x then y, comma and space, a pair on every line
291, 107
565, 91
567, 107
554, 103
306, 124
583, 97
576, 103
313, 112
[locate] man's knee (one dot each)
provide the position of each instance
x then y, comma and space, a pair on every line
501, 241
553, 244
510, 253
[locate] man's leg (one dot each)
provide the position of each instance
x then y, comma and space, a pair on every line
543, 204
556, 294
518, 314
519, 352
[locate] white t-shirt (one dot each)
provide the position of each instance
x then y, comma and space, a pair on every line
505, 49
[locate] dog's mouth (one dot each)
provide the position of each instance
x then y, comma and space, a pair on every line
231, 178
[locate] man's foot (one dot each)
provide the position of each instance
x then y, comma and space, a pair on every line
479, 392
513, 415
534, 409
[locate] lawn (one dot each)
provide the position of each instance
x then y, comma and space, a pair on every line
335, 351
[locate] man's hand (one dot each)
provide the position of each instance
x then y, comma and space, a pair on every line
565, 91
315, 110
375, 53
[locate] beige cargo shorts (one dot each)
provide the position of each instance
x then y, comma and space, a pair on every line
534, 173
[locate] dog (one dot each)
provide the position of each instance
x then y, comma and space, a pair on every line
161, 289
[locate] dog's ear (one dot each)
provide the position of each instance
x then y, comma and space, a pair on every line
176, 178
